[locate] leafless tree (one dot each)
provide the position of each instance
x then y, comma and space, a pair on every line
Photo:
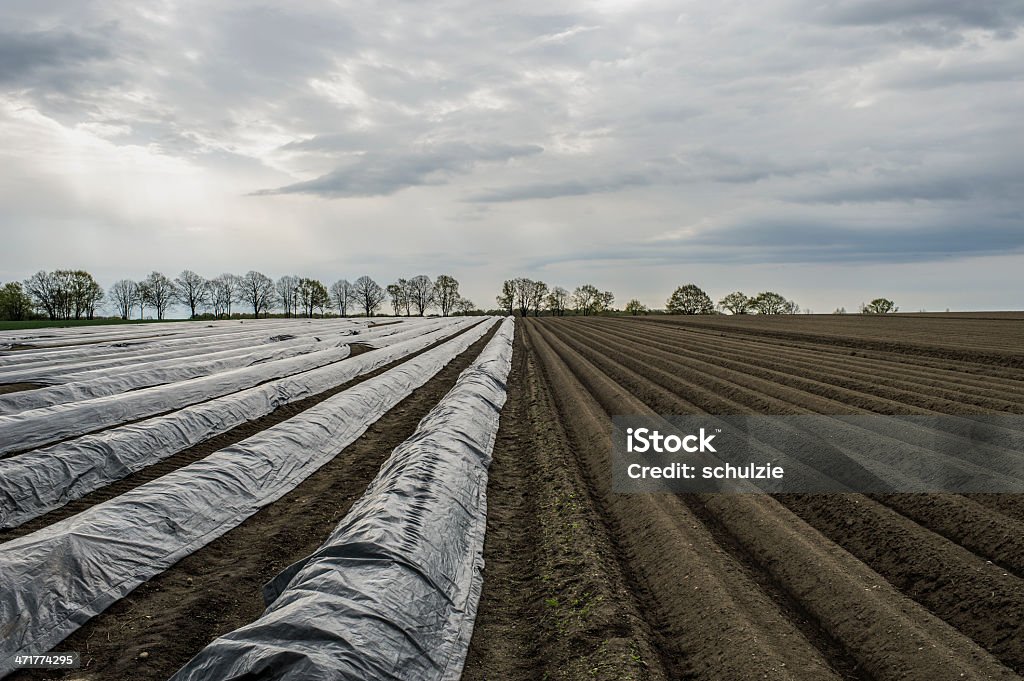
41, 287
399, 295
192, 290
343, 296
446, 293
507, 298
421, 293
124, 294
143, 299
287, 293
538, 292
464, 306
160, 293
556, 301
225, 292
369, 294
258, 292
585, 298
523, 291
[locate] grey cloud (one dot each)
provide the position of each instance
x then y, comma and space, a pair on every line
23, 55
987, 14
381, 174
551, 190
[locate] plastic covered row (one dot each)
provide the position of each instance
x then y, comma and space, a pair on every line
87, 385
41, 339
393, 593
53, 370
38, 427
54, 580
39, 481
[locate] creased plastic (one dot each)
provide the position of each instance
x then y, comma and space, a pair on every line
38, 427
55, 579
392, 594
51, 370
42, 480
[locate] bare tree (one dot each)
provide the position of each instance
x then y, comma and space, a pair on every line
538, 292
464, 306
225, 291
343, 296
125, 295
523, 292
588, 299
160, 293
369, 294
446, 293
287, 293
556, 301
399, 295
421, 293
192, 290
42, 287
143, 298
507, 298
406, 296
258, 292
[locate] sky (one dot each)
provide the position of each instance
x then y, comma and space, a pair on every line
832, 150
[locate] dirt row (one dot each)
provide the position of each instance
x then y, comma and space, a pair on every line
992, 589
158, 627
996, 342
905, 587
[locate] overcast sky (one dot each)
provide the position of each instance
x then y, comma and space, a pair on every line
833, 150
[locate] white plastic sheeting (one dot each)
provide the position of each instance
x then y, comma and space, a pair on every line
87, 385
42, 480
55, 370
392, 594
55, 579
69, 337
38, 427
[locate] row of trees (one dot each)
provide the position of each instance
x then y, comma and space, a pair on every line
64, 294
420, 294
691, 299
74, 294
526, 295
293, 295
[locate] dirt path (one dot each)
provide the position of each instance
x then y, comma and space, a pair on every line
555, 604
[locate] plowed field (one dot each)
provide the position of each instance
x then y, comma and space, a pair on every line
582, 583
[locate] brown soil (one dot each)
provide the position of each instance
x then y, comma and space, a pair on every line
18, 387
217, 589
735, 586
